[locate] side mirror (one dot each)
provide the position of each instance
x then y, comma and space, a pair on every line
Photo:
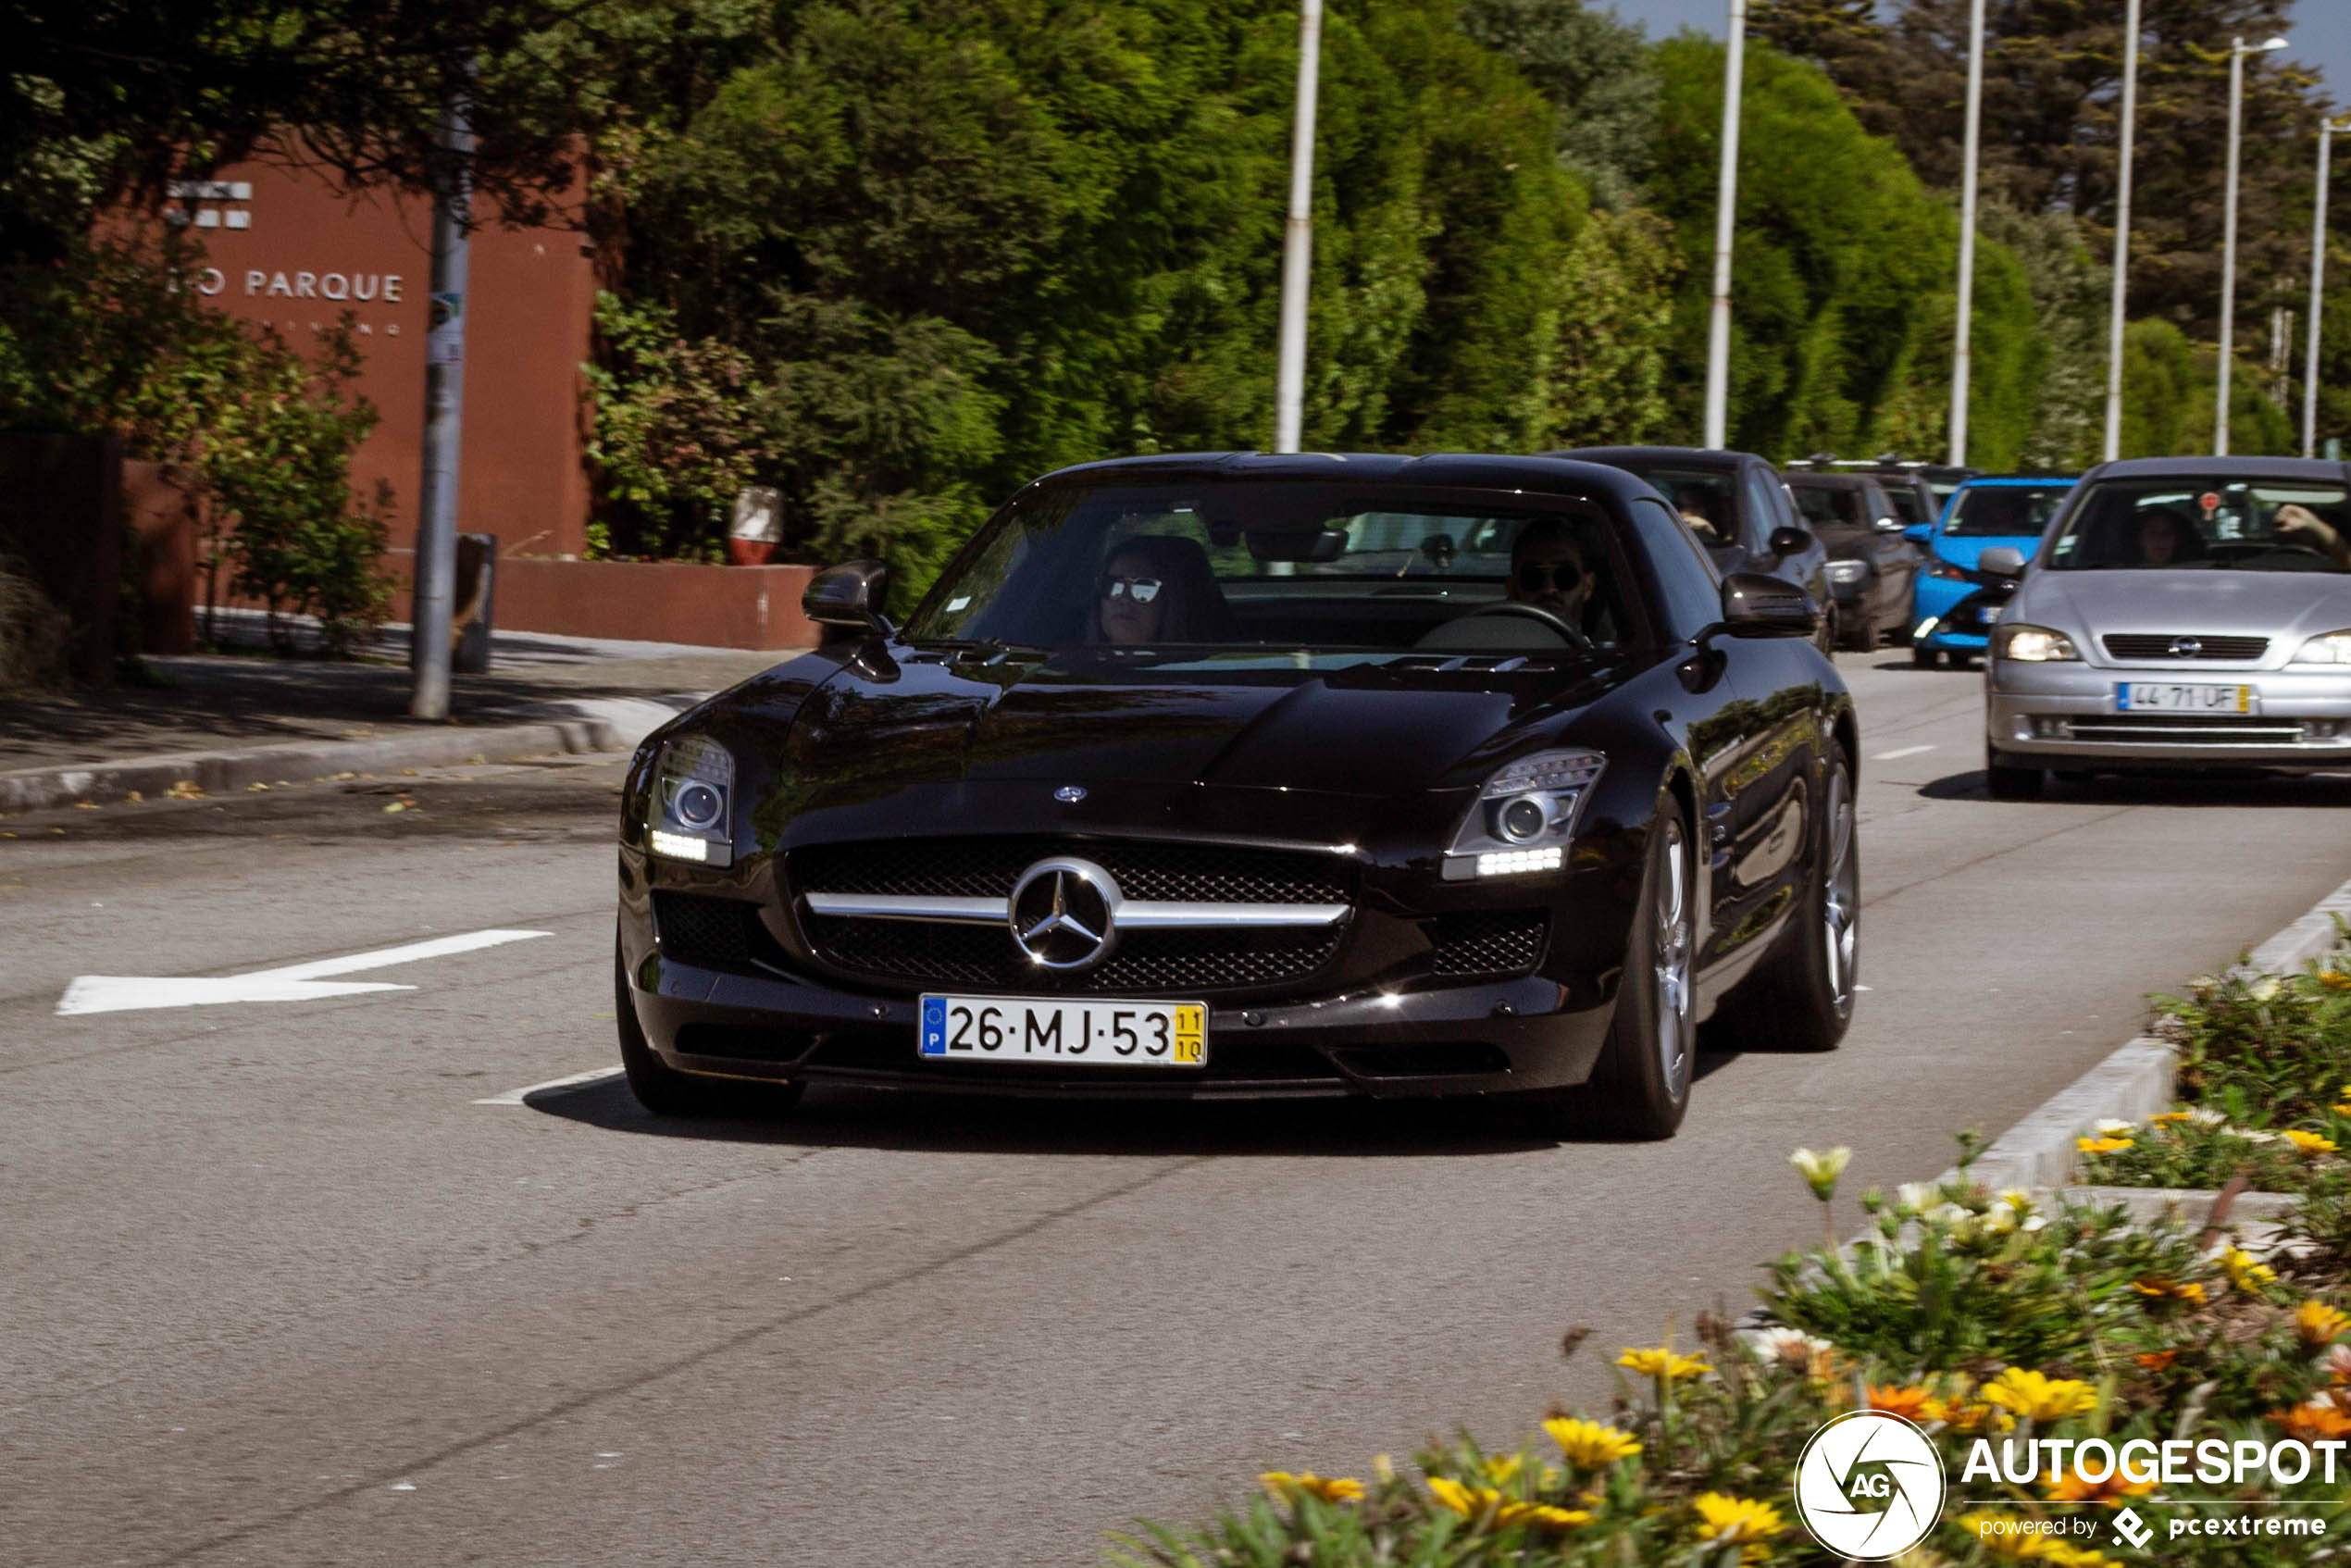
1785, 541
1920, 534
1888, 525
1757, 605
2001, 560
845, 601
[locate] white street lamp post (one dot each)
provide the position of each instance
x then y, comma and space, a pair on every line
1298, 242
1962, 332
2121, 234
1727, 202
2327, 132
2238, 50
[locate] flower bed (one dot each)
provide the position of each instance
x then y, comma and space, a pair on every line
1968, 1312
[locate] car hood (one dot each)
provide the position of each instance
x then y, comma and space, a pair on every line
2283, 606
1337, 726
1966, 550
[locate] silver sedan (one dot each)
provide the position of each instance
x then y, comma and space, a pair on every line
2180, 613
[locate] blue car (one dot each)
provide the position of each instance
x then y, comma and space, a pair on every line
1954, 604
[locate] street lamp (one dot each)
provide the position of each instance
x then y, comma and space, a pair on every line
2328, 130
1967, 236
1298, 240
2121, 234
2238, 50
1727, 202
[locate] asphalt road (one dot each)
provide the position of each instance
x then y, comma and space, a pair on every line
277, 1288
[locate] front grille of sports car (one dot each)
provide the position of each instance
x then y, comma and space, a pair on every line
1172, 962
714, 933
2158, 645
1502, 943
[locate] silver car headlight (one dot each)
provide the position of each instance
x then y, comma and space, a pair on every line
1848, 571
2327, 648
1522, 819
2034, 645
691, 812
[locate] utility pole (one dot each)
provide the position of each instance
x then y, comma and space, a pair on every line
2327, 131
2121, 233
2238, 50
1726, 209
444, 418
1298, 240
1962, 329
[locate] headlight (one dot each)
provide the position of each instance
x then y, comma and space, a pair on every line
2034, 645
1523, 818
1938, 566
691, 812
1848, 571
2327, 648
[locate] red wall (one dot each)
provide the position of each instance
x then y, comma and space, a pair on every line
526, 329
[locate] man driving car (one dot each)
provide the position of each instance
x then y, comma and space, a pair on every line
1548, 573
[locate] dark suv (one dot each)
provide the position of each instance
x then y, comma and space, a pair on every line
1736, 506
1872, 568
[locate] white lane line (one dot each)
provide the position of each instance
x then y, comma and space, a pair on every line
577, 1080
1899, 752
293, 982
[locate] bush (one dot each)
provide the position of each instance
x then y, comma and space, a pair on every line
32, 632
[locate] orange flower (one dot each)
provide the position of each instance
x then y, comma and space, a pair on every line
1908, 1403
2154, 1286
2155, 1360
2112, 1492
2312, 1424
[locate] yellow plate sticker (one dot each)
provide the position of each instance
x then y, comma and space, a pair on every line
1191, 1033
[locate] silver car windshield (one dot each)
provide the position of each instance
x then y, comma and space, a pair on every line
2213, 525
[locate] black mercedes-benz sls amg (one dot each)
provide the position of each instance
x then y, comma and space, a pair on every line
1235, 775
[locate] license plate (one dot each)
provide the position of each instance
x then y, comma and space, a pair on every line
1100, 1034
2164, 696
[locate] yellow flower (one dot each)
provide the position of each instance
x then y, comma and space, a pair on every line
2319, 1324
2037, 1398
2102, 1145
1503, 1468
2112, 1492
1726, 1518
1335, 1488
2342, 1107
2166, 1118
2160, 1289
1819, 1171
2310, 1143
1543, 1516
1663, 1363
1470, 1502
1590, 1446
2247, 1272
2334, 979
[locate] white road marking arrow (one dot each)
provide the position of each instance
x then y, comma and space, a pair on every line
294, 982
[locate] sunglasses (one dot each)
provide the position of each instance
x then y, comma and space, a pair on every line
1142, 590
1535, 575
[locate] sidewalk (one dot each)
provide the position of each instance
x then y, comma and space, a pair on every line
225, 720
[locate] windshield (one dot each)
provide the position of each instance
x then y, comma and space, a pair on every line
1702, 498
1828, 506
1909, 504
1283, 564
2244, 525
2004, 511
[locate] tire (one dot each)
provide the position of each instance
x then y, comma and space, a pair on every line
664, 1090
1640, 1086
2003, 782
1802, 997
1925, 659
1864, 636
1827, 638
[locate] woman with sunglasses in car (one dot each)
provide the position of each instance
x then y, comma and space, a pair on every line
1159, 588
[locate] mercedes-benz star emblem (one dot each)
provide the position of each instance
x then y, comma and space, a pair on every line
1070, 794
1063, 914
2185, 647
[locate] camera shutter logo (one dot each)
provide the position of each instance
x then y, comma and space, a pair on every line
1869, 1486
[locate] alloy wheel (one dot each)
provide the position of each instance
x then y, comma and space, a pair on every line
1841, 902
1671, 958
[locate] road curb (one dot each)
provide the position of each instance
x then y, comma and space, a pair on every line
601, 724
2134, 1081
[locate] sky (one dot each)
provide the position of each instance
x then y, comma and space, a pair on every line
2320, 34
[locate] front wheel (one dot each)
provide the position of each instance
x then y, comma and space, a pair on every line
2003, 782
1801, 998
1864, 636
1925, 659
1640, 1087
666, 1091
